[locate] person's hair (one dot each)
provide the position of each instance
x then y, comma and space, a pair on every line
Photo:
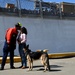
24, 30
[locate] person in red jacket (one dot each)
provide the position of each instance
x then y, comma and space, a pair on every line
10, 45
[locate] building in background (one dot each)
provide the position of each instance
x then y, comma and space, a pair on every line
38, 8
68, 8
48, 8
8, 5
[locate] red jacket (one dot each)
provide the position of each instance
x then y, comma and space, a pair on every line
11, 35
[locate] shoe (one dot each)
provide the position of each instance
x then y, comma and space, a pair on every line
1, 68
12, 67
23, 67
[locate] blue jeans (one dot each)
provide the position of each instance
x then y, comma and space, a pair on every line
22, 55
7, 50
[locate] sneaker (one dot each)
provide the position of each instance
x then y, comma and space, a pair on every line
23, 67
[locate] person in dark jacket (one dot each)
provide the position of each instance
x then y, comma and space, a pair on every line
10, 45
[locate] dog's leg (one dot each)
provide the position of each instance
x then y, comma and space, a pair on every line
48, 66
43, 61
45, 66
31, 64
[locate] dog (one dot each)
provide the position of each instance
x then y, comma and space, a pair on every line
35, 56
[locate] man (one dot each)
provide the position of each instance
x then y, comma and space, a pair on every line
10, 45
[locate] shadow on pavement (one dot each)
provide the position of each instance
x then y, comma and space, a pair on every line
51, 66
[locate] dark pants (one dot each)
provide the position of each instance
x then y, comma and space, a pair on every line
7, 50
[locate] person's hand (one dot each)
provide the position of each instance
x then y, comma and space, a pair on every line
8, 43
18, 42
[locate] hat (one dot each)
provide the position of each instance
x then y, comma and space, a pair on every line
18, 24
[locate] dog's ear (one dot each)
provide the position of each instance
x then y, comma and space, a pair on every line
28, 46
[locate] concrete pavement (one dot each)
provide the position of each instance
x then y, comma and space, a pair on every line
65, 66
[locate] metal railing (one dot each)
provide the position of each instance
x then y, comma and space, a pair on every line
26, 8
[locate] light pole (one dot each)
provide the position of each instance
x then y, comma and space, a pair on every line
60, 11
19, 7
41, 12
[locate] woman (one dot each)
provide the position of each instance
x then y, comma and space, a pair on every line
22, 38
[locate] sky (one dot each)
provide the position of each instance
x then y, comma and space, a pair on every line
26, 4
72, 1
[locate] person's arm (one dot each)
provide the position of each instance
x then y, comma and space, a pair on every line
8, 36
